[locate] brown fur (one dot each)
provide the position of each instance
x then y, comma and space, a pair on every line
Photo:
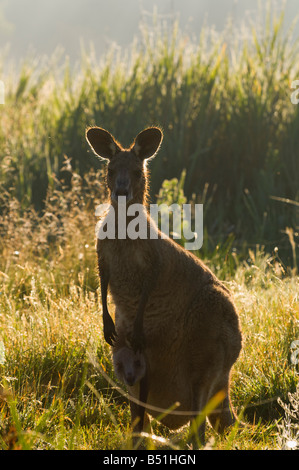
132, 369
171, 304
129, 365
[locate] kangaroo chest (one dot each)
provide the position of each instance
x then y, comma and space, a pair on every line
127, 268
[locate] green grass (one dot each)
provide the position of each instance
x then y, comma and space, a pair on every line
53, 394
224, 103
231, 143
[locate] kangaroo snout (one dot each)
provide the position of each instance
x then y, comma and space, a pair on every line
130, 379
122, 187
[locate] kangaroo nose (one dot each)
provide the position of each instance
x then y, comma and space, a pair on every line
122, 191
130, 379
122, 186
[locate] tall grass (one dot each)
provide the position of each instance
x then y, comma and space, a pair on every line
230, 143
223, 103
52, 396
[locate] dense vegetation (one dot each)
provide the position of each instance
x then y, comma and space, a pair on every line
224, 105
55, 387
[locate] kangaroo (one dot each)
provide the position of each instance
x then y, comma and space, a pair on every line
167, 300
131, 368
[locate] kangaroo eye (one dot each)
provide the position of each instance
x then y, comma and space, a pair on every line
137, 363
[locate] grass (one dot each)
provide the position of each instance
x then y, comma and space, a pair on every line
52, 394
223, 101
231, 143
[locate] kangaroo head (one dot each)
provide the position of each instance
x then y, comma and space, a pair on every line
130, 367
126, 173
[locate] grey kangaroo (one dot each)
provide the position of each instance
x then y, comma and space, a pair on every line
170, 305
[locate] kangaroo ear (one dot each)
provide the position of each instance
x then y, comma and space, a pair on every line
147, 143
102, 143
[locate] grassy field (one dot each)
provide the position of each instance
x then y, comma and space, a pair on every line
54, 392
223, 101
224, 104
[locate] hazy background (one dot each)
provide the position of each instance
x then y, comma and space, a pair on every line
40, 26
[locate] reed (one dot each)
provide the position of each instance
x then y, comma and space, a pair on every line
224, 103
